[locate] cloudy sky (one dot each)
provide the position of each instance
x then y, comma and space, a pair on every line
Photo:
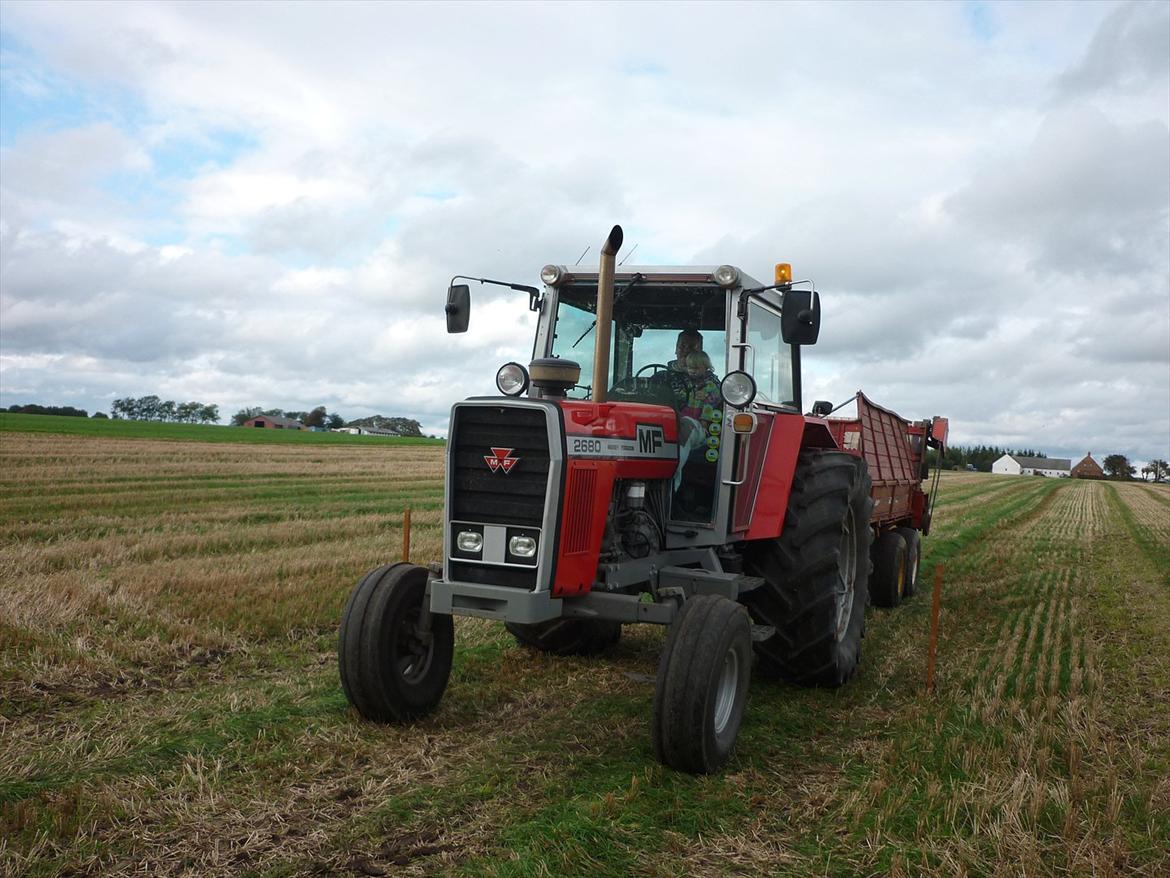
262, 204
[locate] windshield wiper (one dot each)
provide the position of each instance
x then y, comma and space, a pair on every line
636, 279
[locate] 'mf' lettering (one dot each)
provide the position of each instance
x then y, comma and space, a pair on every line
650, 438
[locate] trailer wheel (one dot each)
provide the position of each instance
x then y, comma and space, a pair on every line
702, 685
567, 636
816, 573
391, 669
913, 559
888, 584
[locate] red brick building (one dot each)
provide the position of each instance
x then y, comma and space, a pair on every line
1087, 469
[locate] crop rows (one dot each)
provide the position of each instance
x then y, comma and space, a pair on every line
171, 703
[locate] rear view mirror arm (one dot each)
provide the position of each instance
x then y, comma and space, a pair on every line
533, 292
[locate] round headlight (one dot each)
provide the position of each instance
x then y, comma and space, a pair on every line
738, 389
551, 275
726, 275
512, 379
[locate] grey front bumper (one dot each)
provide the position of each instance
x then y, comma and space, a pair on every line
498, 602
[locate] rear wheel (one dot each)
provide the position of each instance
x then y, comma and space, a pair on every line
567, 636
888, 584
393, 666
913, 559
702, 685
816, 573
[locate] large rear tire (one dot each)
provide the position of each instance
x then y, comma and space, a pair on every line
888, 583
391, 669
567, 636
702, 685
816, 573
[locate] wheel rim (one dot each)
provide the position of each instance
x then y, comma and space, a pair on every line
413, 651
726, 692
846, 576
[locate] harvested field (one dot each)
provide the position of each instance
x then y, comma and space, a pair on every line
169, 701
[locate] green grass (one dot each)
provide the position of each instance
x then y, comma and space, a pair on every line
111, 429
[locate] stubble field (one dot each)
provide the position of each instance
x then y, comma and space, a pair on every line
169, 701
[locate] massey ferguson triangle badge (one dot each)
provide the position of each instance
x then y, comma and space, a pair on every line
501, 459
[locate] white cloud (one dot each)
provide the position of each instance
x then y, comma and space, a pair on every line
986, 205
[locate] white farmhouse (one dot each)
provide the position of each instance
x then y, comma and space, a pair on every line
1032, 466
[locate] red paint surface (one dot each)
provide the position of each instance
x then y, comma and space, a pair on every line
589, 482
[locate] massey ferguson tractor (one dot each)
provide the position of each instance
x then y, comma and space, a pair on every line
618, 478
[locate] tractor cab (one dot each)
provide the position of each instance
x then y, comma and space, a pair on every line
701, 341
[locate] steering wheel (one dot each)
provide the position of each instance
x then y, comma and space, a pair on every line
654, 366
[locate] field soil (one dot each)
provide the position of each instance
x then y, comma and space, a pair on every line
170, 704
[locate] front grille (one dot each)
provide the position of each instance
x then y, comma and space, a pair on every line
478, 494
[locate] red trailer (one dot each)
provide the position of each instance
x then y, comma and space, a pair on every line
894, 451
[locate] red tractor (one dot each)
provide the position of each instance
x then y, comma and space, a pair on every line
617, 479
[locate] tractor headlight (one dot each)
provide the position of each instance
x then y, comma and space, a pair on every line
738, 389
552, 274
726, 275
512, 379
522, 546
469, 541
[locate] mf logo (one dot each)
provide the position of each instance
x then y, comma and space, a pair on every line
501, 459
650, 438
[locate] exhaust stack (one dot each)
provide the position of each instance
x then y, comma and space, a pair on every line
609, 251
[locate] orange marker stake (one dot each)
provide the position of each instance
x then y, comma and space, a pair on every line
934, 610
406, 534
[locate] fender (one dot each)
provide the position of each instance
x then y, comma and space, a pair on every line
761, 501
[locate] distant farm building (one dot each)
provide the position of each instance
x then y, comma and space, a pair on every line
273, 423
1088, 469
1011, 465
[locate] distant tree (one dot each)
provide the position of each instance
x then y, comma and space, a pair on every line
275, 413
187, 412
208, 414
315, 418
334, 421
100, 416
1161, 470
1117, 466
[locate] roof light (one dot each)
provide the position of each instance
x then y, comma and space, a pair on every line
552, 274
726, 275
783, 273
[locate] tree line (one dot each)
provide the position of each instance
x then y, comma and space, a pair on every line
64, 411
151, 408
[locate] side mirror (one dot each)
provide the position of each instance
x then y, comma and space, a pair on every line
458, 307
800, 317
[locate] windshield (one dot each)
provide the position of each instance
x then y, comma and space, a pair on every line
648, 319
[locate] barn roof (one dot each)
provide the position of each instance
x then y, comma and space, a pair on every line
1043, 462
284, 422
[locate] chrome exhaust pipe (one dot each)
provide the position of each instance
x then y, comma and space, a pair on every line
609, 251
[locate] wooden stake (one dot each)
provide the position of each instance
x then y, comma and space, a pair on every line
406, 534
934, 609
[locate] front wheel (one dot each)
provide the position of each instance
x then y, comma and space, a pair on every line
702, 685
394, 665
